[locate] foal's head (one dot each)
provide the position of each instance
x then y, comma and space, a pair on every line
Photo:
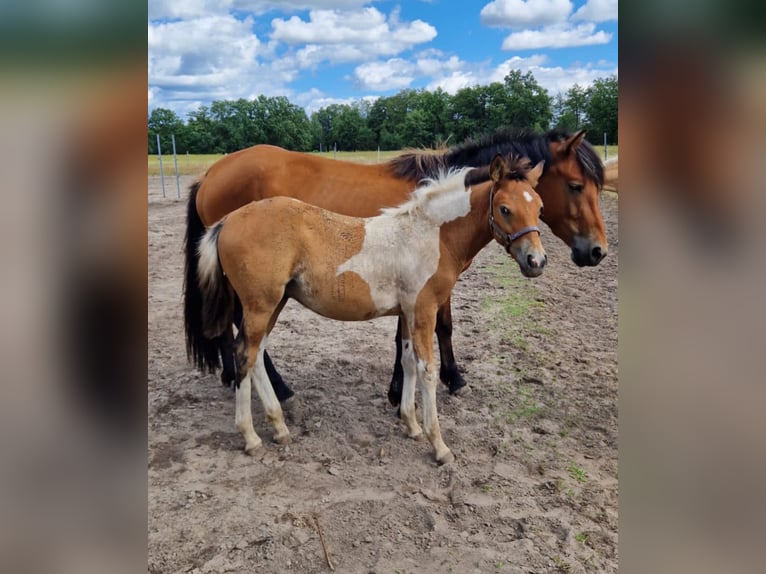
515, 210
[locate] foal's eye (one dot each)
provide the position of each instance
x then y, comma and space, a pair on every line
575, 187
541, 211
505, 211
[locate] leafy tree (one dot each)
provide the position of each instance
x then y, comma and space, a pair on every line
530, 105
601, 109
165, 123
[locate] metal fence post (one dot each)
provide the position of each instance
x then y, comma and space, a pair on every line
175, 161
162, 175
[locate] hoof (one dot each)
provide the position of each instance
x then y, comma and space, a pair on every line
461, 391
284, 394
446, 458
282, 439
252, 450
418, 436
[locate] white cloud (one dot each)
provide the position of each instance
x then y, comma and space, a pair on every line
171, 9
263, 6
525, 13
557, 36
597, 11
556, 78
394, 74
397, 73
205, 52
348, 36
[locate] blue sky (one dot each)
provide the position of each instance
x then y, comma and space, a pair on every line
319, 52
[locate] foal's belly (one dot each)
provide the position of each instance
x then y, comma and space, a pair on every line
344, 297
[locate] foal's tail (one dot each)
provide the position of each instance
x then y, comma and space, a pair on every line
200, 349
217, 293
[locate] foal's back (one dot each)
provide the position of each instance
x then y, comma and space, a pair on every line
281, 247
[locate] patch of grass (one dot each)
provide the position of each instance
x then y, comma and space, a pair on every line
526, 406
577, 473
196, 164
582, 537
561, 564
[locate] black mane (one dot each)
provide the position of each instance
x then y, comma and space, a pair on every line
479, 153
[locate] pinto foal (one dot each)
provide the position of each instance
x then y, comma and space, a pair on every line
403, 262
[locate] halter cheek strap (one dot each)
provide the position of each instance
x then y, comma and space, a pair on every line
505, 238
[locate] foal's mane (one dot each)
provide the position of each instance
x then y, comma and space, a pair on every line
417, 166
454, 180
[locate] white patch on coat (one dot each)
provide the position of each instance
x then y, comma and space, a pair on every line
208, 257
527, 196
400, 251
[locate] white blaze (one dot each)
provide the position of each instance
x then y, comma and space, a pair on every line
527, 196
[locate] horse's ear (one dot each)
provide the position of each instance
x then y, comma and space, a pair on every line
533, 175
574, 142
497, 168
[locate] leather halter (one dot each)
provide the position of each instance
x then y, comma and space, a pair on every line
505, 238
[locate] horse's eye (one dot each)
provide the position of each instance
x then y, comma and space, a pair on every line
575, 187
541, 211
505, 211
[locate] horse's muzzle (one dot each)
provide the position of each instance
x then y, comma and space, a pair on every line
533, 265
586, 253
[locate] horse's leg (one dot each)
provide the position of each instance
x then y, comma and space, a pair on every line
281, 390
409, 376
229, 374
448, 371
226, 348
395, 388
423, 337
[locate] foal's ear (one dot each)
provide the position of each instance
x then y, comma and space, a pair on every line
497, 168
533, 175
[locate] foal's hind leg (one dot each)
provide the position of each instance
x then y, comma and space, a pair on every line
448, 371
425, 320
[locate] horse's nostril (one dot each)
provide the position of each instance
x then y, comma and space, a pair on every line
532, 262
544, 261
596, 253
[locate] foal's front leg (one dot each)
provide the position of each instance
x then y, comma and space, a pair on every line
409, 375
449, 373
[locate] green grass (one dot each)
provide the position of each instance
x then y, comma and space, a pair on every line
577, 473
195, 164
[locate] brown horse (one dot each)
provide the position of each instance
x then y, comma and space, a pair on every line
404, 262
569, 187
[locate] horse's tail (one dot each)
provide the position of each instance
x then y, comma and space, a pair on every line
200, 350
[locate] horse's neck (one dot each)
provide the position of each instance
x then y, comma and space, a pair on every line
465, 237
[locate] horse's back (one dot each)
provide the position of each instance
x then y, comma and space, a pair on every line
264, 171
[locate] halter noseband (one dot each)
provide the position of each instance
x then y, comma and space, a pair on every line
506, 238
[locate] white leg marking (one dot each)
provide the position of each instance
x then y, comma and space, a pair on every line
268, 398
427, 376
243, 417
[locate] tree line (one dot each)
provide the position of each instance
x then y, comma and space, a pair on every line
410, 118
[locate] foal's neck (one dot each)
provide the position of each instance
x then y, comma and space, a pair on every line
466, 236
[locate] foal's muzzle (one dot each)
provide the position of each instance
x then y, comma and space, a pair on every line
533, 264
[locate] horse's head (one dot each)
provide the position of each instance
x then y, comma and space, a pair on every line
514, 213
569, 188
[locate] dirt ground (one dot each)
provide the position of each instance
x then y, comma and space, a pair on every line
534, 487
